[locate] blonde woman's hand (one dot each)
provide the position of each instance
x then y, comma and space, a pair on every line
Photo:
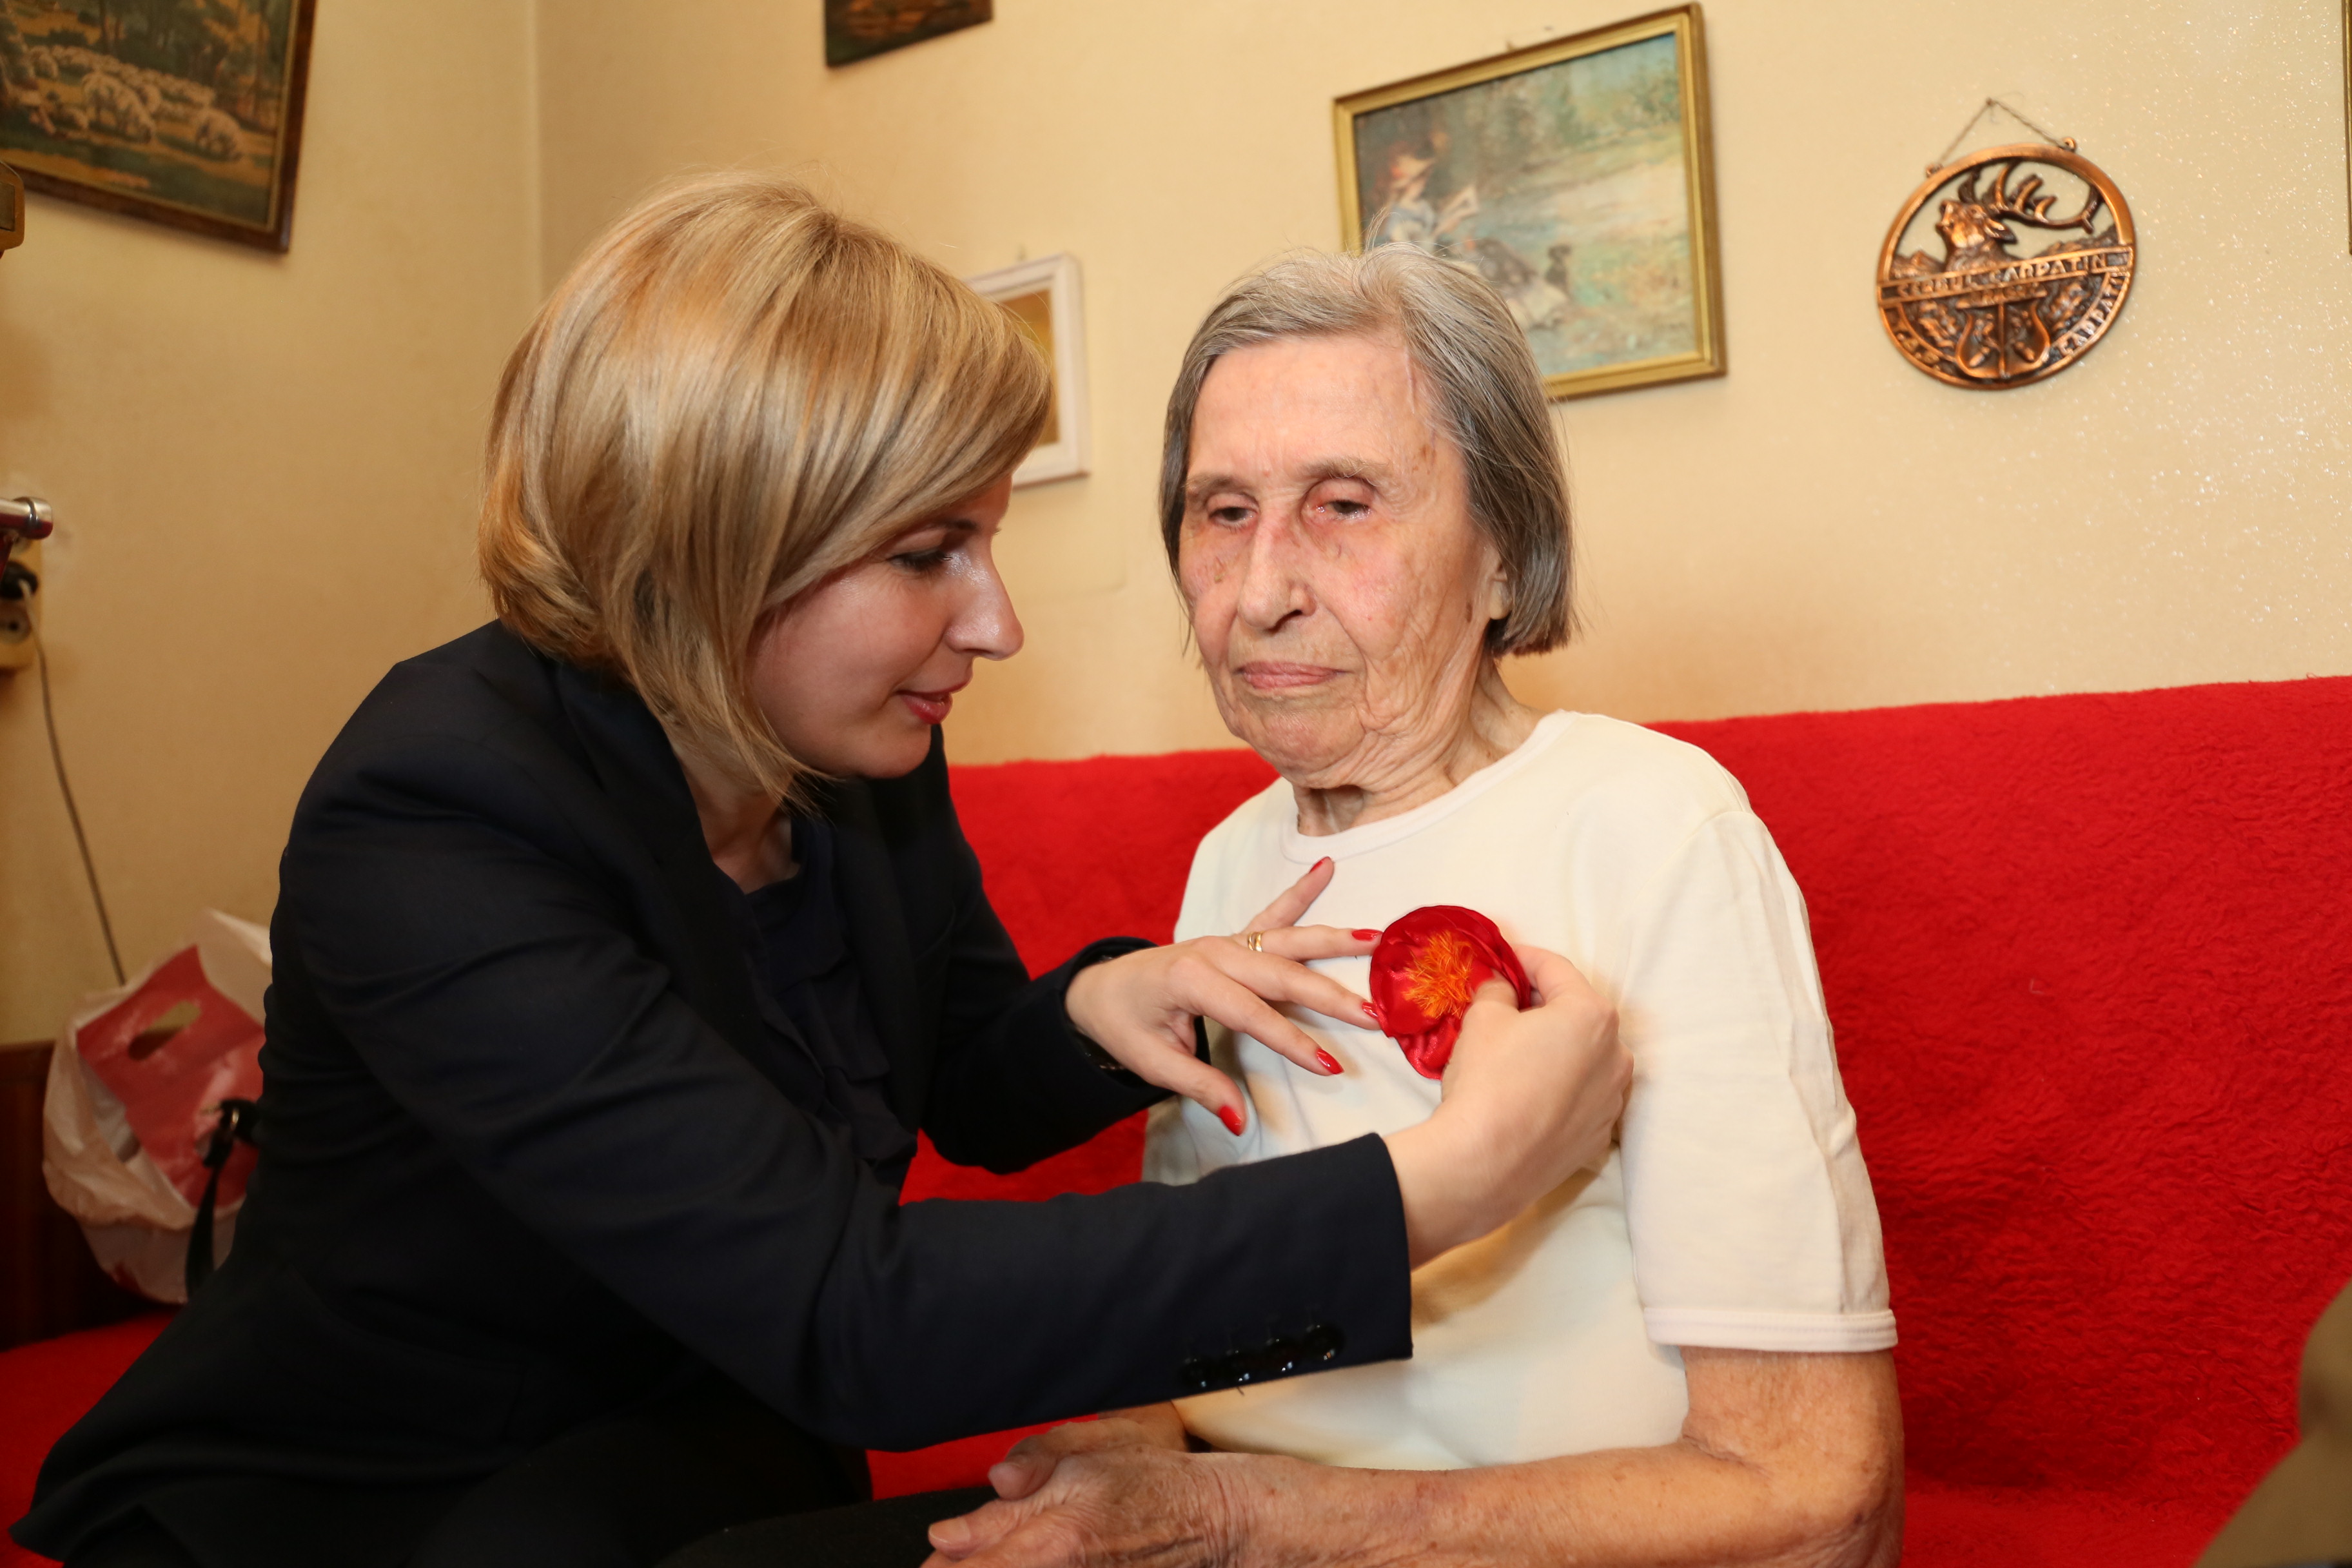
1140, 1007
1530, 1099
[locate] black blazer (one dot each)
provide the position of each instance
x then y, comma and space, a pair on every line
518, 1168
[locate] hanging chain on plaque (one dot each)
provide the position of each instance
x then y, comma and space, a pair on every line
2006, 265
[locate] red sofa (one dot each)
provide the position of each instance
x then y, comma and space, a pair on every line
2090, 960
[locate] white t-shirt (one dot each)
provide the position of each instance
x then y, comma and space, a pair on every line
1736, 1213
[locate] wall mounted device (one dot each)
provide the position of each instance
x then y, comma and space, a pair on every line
19, 580
27, 519
23, 523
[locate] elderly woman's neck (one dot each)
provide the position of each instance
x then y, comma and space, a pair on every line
1399, 773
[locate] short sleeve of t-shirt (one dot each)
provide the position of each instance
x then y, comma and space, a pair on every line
1747, 1203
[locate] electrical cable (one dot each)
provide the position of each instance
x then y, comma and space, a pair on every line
73, 813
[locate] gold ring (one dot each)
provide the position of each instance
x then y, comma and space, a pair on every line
1255, 941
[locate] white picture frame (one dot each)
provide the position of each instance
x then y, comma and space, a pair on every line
1044, 296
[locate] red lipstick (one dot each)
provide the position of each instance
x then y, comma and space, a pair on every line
931, 707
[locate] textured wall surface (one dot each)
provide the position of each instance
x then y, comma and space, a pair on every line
264, 468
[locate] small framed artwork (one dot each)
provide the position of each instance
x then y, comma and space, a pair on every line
12, 208
1042, 296
1577, 177
856, 29
186, 113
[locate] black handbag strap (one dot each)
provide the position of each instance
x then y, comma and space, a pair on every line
237, 1120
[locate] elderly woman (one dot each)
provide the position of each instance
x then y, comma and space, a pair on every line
1680, 1358
623, 945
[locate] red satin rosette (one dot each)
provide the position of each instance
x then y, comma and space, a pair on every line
1427, 967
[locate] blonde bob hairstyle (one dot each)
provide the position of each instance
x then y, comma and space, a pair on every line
735, 395
1488, 398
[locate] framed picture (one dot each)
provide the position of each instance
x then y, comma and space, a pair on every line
855, 29
1042, 296
12, 208
186, 113
1576, 177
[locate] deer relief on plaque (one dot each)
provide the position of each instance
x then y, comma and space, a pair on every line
2006, 265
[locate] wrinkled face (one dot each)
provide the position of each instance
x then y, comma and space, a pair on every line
1338, 590
853, 673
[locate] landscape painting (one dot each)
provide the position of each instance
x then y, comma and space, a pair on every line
186, 113
1575, 177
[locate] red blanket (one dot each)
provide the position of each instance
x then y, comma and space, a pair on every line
2090, 960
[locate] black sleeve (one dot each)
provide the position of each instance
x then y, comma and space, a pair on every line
457, 931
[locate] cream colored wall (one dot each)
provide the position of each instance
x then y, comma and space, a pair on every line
264, 469
1823, 528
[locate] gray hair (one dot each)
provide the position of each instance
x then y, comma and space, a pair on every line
1489, 400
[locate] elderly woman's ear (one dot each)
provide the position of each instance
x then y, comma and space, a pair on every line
1498, 595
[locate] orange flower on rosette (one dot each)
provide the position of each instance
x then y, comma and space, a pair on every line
1427, 967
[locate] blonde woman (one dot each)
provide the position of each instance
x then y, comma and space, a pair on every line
623, 945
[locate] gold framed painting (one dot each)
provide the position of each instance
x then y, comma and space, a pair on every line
1042, 297
1577, 177
184, 112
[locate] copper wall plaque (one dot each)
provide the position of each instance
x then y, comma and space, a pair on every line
2037, 259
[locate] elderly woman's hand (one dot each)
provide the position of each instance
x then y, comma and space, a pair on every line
1785, 1459
1123, 1503
1531, 1098
1032, 1459
1140, 1007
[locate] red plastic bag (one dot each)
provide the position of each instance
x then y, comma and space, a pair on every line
134, 1095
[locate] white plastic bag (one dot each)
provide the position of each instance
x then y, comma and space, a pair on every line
134, 1092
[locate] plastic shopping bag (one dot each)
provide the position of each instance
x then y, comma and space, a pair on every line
135, 1105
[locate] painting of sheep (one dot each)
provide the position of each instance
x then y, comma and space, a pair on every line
186, 113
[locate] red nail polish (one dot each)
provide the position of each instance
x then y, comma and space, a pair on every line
1231, 1118
1330, 1063
1320, 864
1366, 935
